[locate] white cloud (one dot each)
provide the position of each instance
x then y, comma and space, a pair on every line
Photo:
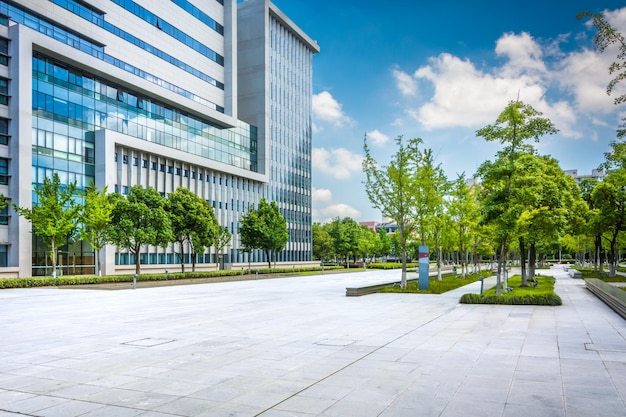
465, 96
377, 138
405, 83
586, 75
321, 195
468, 96
523, 53
339, 163
339, 210
324, 210
327, 109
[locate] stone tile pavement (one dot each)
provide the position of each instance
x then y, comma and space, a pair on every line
300, 347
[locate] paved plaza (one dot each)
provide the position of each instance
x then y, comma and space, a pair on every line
300, 347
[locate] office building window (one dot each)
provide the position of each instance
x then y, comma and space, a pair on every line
4, 131
4, 90
4, 171
3, 255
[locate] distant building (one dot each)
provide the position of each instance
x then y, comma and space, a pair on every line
370, 225
598, 174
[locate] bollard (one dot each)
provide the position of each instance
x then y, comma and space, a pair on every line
134, 281
166, 274
256, 274
481, 284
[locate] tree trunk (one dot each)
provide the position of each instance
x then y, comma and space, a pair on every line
613, 256
269, 259
96, 261
438, 255
137, 263
53, 257
403, 255
522, 251
501, 264
532, 260
597, 260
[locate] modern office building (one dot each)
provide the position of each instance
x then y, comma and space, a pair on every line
210, 95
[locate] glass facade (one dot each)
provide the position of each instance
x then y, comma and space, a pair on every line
290, 133
69, 97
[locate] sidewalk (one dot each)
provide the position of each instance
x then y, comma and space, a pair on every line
300, 347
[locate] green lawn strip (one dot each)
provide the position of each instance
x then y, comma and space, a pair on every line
172, 276
447, 283
590, 273
542, 294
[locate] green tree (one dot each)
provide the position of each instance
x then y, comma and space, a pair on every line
430, 187
222, 238
264, 228
517, 124
322, 242
390, 189
193, 223
464, 214
96, 216
368, 243
140, 219
54, 216
594, 225
385, 242
609, 197
345, 234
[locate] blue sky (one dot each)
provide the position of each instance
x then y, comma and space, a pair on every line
440, 71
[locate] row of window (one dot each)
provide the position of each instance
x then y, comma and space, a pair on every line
171, 30
82, 11
76, 41
200, 15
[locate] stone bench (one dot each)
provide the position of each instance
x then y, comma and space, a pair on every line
574, 273
609, 294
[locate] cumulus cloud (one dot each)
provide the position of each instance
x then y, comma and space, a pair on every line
339, 163
465, 95
328, 213
321, 195
377, 138
405, 83
523, 53
329, 110
324, 210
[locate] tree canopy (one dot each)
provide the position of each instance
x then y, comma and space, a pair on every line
53, 215
140, 219
264, 228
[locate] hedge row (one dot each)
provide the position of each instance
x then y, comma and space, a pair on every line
108, 279
538, 299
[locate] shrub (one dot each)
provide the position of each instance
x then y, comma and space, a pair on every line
542, 294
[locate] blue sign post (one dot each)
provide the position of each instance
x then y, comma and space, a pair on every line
424, 256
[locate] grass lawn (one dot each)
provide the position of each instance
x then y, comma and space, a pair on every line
590, 273
542, 294
448, 282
